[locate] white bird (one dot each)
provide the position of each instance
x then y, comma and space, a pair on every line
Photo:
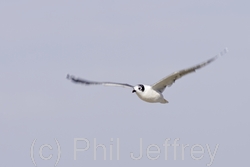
151, 93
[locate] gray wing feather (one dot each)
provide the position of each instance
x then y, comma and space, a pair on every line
87, 82
169, 80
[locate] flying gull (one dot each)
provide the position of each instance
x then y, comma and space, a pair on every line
151, 93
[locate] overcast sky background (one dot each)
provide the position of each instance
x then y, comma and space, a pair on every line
139, 41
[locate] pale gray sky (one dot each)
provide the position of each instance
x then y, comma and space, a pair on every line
137, 41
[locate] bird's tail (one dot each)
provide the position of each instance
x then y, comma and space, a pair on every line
164, 101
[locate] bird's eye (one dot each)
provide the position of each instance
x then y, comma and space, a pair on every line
141, 87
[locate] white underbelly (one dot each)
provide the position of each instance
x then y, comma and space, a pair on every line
151, 97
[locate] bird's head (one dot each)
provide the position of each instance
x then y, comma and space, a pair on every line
138, 88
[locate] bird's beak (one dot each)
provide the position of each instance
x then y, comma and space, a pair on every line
133, 91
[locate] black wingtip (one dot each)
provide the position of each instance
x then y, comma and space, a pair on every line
70, 77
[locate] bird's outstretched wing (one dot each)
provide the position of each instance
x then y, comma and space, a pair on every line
169, 80
86, 82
